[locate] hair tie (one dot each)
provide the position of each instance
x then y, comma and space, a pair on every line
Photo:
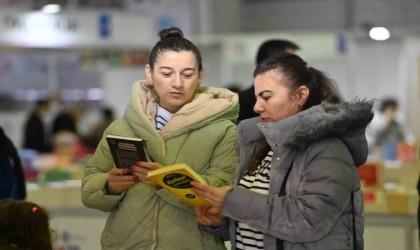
34, 209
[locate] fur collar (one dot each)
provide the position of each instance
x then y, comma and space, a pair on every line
330, 120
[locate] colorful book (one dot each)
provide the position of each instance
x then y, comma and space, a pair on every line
177, 180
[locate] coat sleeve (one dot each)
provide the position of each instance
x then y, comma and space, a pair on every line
325, 186
224, 160
95, 178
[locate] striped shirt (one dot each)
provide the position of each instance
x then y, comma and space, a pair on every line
162, 118
247, 237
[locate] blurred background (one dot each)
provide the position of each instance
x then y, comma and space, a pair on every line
83, 56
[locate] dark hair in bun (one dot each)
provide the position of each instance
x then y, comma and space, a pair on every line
172, 39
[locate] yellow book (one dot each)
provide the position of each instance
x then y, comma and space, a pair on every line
176, 179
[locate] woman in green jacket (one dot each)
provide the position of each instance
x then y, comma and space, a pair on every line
180, 122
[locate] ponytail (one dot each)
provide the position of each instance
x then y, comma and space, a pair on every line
321, 89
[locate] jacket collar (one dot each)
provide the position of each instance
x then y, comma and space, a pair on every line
346, 121
207, 106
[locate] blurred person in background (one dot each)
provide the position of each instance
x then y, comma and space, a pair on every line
247, 96
107, 117
12, 179
36, 136
67, 120
24, 225
297, 185
385, 132
174, 115
67, 137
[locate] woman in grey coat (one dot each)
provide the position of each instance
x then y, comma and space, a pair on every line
297, 186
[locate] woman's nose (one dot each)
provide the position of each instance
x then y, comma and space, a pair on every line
177, 82
258, 108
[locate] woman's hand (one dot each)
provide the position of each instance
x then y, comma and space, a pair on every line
118, 182
215, 196
142, 168
207, 219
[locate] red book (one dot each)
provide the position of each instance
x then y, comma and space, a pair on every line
369, 173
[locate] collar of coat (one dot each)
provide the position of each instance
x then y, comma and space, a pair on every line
208, 105
347, 121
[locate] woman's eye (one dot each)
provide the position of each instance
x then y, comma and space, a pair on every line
188, 76
166, 74
265, 98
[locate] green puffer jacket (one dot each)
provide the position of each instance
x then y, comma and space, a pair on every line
201, 134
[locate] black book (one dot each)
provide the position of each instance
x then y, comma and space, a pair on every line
126, 151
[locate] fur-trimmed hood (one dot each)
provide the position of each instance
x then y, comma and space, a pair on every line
347, 121
209, 105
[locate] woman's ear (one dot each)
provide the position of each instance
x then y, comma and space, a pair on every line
148, 72
302, 94
200, 77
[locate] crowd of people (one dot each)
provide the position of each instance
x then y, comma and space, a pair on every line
47, 122
280, 159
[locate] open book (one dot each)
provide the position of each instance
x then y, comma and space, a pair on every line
176, 179
126, 151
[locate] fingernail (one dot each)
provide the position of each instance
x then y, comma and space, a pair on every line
135, 178
133, 168
124, 171
139, 163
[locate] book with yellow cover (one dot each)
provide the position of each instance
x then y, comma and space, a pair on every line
176, 179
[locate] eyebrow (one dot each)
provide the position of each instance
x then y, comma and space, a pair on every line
169, 68
262, 92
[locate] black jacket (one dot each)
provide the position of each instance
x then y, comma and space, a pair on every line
7, 148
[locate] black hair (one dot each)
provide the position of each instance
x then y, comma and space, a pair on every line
172, 39
388, 103
297, 73
271, 47
108, 113
26, 225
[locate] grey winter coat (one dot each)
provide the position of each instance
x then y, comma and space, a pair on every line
323, 145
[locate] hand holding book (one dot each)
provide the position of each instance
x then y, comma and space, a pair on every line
126, 151
118, 181
141, 169
177, 180
215, 196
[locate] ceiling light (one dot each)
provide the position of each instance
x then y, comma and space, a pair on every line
51, 9
379, 33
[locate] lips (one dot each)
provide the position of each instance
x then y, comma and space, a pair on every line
176, 93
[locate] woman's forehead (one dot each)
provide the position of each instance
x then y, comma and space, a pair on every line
185, 58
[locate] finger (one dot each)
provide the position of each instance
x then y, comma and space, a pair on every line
204, 221
149, 164
198, 211
122, 178
201, 193
199, 185
121, 185
142, 177
214, 211
143, 170
118, 171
